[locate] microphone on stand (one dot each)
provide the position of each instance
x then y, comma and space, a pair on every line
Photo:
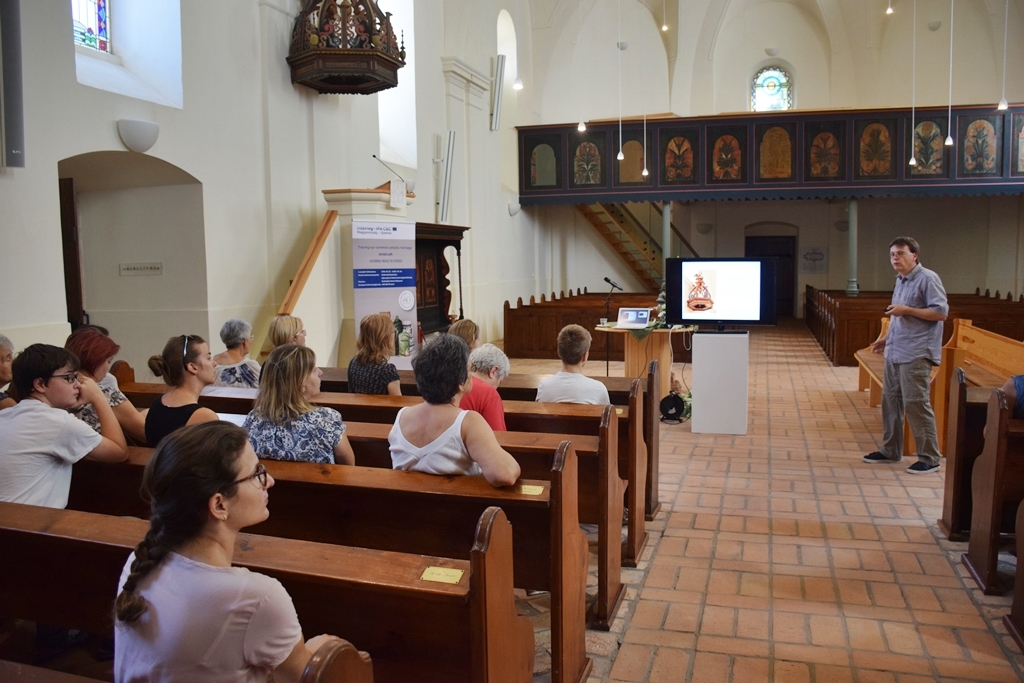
614, 284
410, 184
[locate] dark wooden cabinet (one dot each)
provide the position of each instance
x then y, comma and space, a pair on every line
433, 300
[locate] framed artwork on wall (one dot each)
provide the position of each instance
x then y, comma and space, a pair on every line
727, 154
979, 146
1017, 161
824, 145
588, 159
544, 170
629, 171
774, 152
679, 155
875, 149
927, 143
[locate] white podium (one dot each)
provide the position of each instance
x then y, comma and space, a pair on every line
720, 368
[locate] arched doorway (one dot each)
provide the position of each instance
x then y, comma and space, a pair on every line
134, 250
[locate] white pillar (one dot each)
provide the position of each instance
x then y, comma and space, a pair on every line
852, 288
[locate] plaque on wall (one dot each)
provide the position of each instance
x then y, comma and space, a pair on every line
979, 146
775, 152
727, 154
824, 142
679, 156
875, 148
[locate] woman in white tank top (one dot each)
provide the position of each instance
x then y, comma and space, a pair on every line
435, 436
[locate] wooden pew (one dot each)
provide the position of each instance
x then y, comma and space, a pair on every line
413, 628
411, 512
997, 488
14, 672
964, 439
523, 387
988, 360
527, 416
1014, 621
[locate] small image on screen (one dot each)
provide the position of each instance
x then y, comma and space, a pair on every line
721, 291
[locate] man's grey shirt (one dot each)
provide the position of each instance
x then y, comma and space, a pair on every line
911, 337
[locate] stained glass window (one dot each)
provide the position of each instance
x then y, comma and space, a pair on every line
772, 90
91, 22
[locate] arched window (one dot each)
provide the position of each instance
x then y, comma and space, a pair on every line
91, 22
771, 90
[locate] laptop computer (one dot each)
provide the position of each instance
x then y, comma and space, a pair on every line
634, 318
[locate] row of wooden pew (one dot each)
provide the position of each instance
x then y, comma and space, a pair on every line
842, 324
531, 328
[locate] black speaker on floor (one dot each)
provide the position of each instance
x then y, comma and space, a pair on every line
12, 118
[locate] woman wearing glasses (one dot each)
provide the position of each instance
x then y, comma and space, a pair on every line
234, 367
286, 329
96, 352
183, 613
283, 424
369, 371
187, 366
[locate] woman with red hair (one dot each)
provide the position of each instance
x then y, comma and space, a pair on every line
96, 352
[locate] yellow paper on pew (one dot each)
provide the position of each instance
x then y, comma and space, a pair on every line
618, 411
442, 575
531, 489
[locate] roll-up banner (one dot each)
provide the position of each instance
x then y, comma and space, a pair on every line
384, 280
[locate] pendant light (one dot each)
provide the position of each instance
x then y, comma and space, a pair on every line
949, 122
620, 156
913, 87
888, 10
582, 127
664, 16
1003, 104
518, 83
644, 172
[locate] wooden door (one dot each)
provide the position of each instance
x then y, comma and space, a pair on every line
783, 248
72, 254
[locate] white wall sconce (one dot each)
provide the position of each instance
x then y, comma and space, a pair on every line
934, 25
514, 208
705, 228
137, 135
771, 51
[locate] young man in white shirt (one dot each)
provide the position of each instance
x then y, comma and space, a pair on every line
571, 385
40, 440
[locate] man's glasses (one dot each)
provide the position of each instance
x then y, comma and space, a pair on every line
901, 254
260, 475
69, 377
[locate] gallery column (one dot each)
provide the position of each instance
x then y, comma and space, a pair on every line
852, 288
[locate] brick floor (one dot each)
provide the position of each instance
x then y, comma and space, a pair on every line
780, 556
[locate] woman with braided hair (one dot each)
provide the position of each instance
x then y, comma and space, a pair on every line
183, 613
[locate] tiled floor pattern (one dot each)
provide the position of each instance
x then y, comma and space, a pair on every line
781, 556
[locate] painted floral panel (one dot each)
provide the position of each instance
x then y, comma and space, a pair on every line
679, 160
726, 159
825, 156
928, 150
875, 151
587, 164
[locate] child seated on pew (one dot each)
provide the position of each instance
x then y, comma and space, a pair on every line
488, 365
571, 385
40, 440
183, 613
283, 424
437, 437
6, 358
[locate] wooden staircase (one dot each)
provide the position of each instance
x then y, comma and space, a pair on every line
627, 235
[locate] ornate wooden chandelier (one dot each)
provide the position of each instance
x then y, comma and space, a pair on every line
345, 47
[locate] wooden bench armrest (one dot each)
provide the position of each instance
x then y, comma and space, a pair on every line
338, 661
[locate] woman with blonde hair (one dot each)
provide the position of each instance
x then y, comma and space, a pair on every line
187, 366
183, 612
283, 424
468, 330
369, 371
286, 329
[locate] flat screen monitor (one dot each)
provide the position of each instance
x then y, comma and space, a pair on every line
721, 291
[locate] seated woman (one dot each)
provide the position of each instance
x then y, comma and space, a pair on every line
96, 352
183, 613
6, 359
468, 330
283, 424
435, 436
286, 329
186, 365
369, 371
488, 365
234, 367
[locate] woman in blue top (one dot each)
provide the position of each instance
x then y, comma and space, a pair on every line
283, 424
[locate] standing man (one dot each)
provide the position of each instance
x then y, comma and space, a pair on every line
912, 346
